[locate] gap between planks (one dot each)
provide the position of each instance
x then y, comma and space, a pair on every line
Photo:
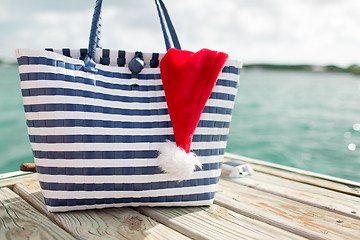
110, 223
19, 220
312, 195
12, 178
213, 222
311, 178
299, 218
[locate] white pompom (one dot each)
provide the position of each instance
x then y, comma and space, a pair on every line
175, 161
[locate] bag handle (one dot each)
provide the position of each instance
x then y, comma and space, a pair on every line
169, 24
95, 32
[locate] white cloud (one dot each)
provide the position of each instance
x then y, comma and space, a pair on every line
294, 31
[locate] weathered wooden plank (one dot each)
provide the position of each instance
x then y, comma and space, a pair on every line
110, 223
19, 220
264, 177
12, 174
214, 222
333, 183
335, 186
302, 219
315, 196
11, 178
291, 169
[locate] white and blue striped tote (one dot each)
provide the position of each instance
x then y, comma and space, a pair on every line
95, 127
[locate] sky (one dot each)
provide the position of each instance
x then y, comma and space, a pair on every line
318, 32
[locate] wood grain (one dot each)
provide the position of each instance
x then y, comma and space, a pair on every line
11, 178
277, 202
19, 220
110, 223
214, 222
312, 195
302, 219
316, 179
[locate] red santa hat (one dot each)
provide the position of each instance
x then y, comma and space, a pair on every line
188, 79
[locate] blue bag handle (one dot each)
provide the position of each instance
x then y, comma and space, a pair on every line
95, 32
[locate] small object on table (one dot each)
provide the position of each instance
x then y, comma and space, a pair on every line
235, 169
28, 167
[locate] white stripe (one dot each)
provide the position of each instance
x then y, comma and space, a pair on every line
215, 117
35, 68
113, 55
26, 52
127, 194
147, 57
58, 51
229, 76
85, 87
224, 89
233, 62
97, 77
220, 103
98, 54
75, 53
55, 99
116, 117
128, 56
44, 162
99, 131
118, 146
122, 178
147, 204
47, 131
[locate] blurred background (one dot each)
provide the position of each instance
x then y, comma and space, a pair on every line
298, 101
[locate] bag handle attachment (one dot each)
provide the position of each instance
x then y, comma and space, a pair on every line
137, 63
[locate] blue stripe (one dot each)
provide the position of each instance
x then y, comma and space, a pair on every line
91, 171
98, 201
222, 96
88, 94
116, 124
89, 81
108, 110
231, 69
77, 67
108, 97
119, 138
227, 83
127, 186
57, 63
91, 108
146, 154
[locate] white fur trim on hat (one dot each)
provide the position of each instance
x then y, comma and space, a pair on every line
175, 161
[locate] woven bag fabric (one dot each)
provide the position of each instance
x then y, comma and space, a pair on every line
95, 137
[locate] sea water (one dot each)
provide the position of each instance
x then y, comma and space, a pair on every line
307, 120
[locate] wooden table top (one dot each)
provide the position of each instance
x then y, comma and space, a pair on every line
276, 202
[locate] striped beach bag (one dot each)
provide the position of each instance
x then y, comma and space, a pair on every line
97, 119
